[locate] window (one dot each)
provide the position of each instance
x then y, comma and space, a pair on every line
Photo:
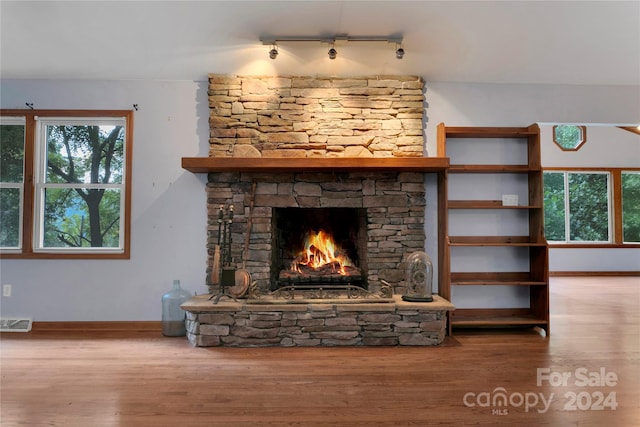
569, 137
11, 180
631, 206
77, 166
577, 206
592, 207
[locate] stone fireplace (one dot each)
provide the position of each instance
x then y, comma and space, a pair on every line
373, 211
386, 211
296, 117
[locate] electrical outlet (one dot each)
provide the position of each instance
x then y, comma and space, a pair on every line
6, 290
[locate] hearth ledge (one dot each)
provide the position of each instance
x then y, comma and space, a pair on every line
241, 324
202, 304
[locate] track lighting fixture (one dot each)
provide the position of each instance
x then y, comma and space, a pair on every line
332, 41
273, 53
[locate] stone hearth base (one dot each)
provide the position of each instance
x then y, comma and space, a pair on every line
241, 324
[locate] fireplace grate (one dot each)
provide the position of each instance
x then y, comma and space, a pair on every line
314, 294
288, 278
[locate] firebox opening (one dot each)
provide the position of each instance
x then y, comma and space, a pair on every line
319, 247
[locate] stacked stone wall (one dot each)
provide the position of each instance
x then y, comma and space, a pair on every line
394, 202
302, 116
236, 324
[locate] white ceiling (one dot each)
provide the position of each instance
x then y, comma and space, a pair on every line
550, 42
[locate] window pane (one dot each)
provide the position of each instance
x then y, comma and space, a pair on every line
554, 201
569, 137
81, 217
11, 153
85, 154
10, 217
631, 206
588, 207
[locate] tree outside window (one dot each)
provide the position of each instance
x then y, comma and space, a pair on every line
577, 207
631, 207
569, 137
11, 181
588, 207
81, 193
554, 206
66, 188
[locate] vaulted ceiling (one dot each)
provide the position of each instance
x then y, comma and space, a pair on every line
549, 42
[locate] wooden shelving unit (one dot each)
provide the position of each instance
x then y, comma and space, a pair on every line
473, 185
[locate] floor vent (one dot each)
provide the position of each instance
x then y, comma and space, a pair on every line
15, 325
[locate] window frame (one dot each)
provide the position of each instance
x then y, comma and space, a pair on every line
622, 172
615, 208
16, 121
29, 218
583, 140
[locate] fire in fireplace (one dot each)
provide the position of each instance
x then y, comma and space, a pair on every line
321, 253
321, 261
320, 247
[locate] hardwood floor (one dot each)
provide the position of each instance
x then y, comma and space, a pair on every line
143, 379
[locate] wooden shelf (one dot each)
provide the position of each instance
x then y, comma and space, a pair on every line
489, 132
491, 169
337, 164
485, 204
495, 279
494, 241
479, 317
488, 321
526, 156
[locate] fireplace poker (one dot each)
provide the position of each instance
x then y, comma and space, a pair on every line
227, 235
224, 224
220, 215
247, 237
223, 245
227, 278
215, 274
242, 275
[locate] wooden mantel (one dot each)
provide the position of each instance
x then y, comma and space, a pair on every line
337, 164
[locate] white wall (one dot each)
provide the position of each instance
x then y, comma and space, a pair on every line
468, 104
606, 146
169, 214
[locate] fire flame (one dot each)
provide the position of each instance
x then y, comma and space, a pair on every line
319, 250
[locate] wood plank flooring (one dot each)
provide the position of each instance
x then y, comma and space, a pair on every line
51, 378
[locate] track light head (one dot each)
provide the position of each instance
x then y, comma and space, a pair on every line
333, 53
399, 53
273, 53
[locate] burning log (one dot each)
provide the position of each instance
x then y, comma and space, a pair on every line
324, 275
321, 262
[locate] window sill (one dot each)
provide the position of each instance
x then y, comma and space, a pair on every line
593, 245
49, 255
